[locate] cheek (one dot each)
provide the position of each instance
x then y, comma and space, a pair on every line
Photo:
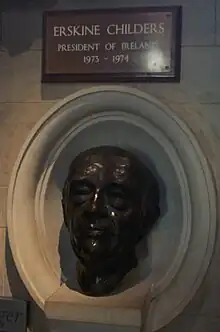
129, 212
79, 209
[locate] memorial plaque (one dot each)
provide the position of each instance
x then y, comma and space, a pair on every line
122, 45
13, 315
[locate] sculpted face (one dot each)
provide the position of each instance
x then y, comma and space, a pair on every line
110, 201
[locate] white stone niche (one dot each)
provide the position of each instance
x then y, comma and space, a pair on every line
179, 247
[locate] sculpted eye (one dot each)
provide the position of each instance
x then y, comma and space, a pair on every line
81, 191
117, 197
118, 203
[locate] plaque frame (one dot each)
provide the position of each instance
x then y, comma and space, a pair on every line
120, 77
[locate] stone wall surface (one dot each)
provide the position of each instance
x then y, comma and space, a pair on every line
23, 101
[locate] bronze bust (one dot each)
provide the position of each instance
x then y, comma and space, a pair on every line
110, 202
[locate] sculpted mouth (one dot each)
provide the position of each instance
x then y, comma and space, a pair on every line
100, 223
98, 229
93, 226
95, 232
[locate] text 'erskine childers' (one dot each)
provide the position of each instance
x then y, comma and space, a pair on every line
111, 29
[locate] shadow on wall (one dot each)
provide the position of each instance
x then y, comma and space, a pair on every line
36, 319
22, 19
22, 23
26, 4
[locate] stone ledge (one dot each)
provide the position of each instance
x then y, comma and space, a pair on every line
60, 306
67, 326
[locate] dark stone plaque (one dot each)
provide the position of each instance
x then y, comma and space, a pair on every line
13, 315
122, 45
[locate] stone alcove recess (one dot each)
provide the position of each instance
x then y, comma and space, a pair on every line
148, 304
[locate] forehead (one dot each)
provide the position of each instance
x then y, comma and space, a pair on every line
93, 165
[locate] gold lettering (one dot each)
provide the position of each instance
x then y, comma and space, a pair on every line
76, 30
153, 27
56, 31
136, 28
109, 29
62, 31
146, 28
161, 28
78, 47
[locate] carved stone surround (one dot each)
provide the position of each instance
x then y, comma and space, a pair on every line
180, 247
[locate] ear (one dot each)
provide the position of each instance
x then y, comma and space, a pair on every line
64, 202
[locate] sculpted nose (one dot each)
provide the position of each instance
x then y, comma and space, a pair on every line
94, 200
